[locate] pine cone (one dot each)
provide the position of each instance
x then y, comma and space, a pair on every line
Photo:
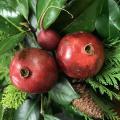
86, 103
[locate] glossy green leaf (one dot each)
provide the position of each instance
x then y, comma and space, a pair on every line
104, 25
32, 4
105, 28
75, 7
114, 13
49, 117
85, 14
8, 27
10, 42
23, 7
63, 93
28, 111
51, 14
10, 18
86, 20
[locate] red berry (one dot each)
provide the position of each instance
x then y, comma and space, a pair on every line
80, 55
48, 39
33, 70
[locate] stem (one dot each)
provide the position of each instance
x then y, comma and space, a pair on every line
21, 46
41, 105
43, 15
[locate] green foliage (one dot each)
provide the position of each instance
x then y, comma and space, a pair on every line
50, 117
51, 14
85, 14
12, 97
107, 24
110, 73
76, 114
23, 8
10, 17
3, 35
103, 89
11, 42
114, 13
106, 107
28, 111
88, 15
8, 114
63, 93
4, 62
1, 112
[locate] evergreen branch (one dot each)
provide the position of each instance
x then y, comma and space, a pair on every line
112, 42
109, 113
102, 89
109, 76
112, 51
12, 97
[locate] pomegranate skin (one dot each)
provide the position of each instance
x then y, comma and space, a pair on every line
80, 55
48, 39
41, 70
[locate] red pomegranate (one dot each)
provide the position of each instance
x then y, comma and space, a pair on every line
33, 70
48, 39
80, 55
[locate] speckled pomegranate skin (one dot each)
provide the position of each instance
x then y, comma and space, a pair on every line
42, 67
74, 60
48, 39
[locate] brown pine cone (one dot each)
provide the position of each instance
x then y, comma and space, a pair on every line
86, 103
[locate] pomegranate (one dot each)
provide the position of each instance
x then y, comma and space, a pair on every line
80, 55
33, 70
48, 39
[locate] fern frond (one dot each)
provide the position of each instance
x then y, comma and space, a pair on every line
12, 97
102, 89
113, 56
109, 76
109, 112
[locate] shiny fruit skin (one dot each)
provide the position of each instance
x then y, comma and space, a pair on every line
42, 69
48, 39
74, 59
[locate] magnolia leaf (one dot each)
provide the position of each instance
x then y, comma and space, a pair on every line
32, 4
104, 24
63, 93
85, 14
23, 7
50, 117
28, 111
86, 20
51, 14
114, 14
10, 18
10, 42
